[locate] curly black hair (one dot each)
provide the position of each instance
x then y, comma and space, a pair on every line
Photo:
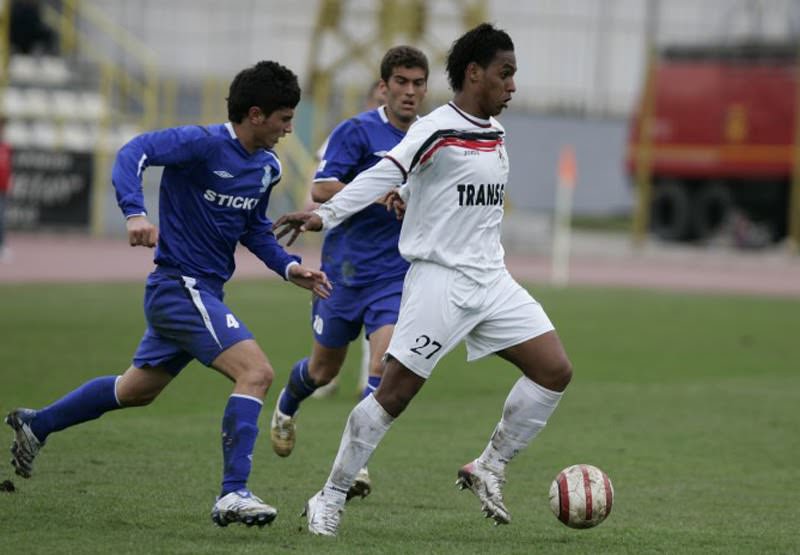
405, 56
477, 45
268, 85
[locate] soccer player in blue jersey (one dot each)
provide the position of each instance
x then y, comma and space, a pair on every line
214, 194
360, 257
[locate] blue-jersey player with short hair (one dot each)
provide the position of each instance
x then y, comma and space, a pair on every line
214, 194
360, 257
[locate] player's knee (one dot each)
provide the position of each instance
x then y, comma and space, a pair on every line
258, 377
137, 398
394, 402
323, 372
560, 374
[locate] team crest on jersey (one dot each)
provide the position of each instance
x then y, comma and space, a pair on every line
266, 180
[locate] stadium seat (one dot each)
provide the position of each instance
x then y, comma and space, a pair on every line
53, 71
18, 134
22, 69
37, 103
92, 106
13, 102
76, 136
66, 104
44, 135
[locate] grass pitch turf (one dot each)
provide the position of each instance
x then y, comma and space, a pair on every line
688, 402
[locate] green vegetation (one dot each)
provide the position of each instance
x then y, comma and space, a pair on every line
688, 402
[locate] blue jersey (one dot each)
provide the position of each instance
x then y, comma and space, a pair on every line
363, 249
213, 194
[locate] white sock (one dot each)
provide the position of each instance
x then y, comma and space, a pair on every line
526, 411
366, 426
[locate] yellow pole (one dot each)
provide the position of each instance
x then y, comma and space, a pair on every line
5, 43
67, 27
150, 98
169, 117
794, 194
208, 93
322, 91
101, 177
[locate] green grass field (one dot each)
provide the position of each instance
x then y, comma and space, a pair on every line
690, 403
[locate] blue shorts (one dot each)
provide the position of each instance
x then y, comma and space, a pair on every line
186, 320
337, 320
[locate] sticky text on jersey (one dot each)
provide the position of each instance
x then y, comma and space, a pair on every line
244, 203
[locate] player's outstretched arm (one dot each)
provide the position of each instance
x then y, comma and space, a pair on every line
296, 223
394, 202
141, 232
315, 280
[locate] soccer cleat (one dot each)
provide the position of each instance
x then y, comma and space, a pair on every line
327, 390
323, 515
242, 506
25, 446
362, 486
282, 432
487, 484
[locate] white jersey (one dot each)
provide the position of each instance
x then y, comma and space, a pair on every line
455, 168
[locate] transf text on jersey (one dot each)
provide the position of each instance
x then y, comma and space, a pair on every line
490, 194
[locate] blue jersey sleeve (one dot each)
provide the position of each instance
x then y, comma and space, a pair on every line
345, 150
261, 241
166, 147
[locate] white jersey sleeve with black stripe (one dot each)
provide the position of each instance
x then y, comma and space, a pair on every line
370, 185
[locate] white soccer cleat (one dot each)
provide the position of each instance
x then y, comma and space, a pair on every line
282, 431
487, 484
323, 515
242, 506
327, 390
362, 486
25, 446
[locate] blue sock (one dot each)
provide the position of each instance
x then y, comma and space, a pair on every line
372, 384
298, 388
89, 401
239, 432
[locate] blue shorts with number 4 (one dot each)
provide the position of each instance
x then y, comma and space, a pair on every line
186, 320
337, 320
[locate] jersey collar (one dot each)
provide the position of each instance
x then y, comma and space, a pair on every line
382, 113
480, 122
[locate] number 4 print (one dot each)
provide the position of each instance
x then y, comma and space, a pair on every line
423, 341
231, 321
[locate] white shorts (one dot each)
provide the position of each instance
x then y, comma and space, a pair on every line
442, 306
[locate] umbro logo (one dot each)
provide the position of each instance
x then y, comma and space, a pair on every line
223, 174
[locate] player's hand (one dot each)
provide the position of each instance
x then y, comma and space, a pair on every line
141, 232
315, 280
394, 202
296, 223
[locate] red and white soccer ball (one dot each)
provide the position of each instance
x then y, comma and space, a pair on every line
581, 496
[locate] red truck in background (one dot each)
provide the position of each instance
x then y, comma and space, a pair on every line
722, 138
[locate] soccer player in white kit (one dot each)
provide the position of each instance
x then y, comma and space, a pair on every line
454, 167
